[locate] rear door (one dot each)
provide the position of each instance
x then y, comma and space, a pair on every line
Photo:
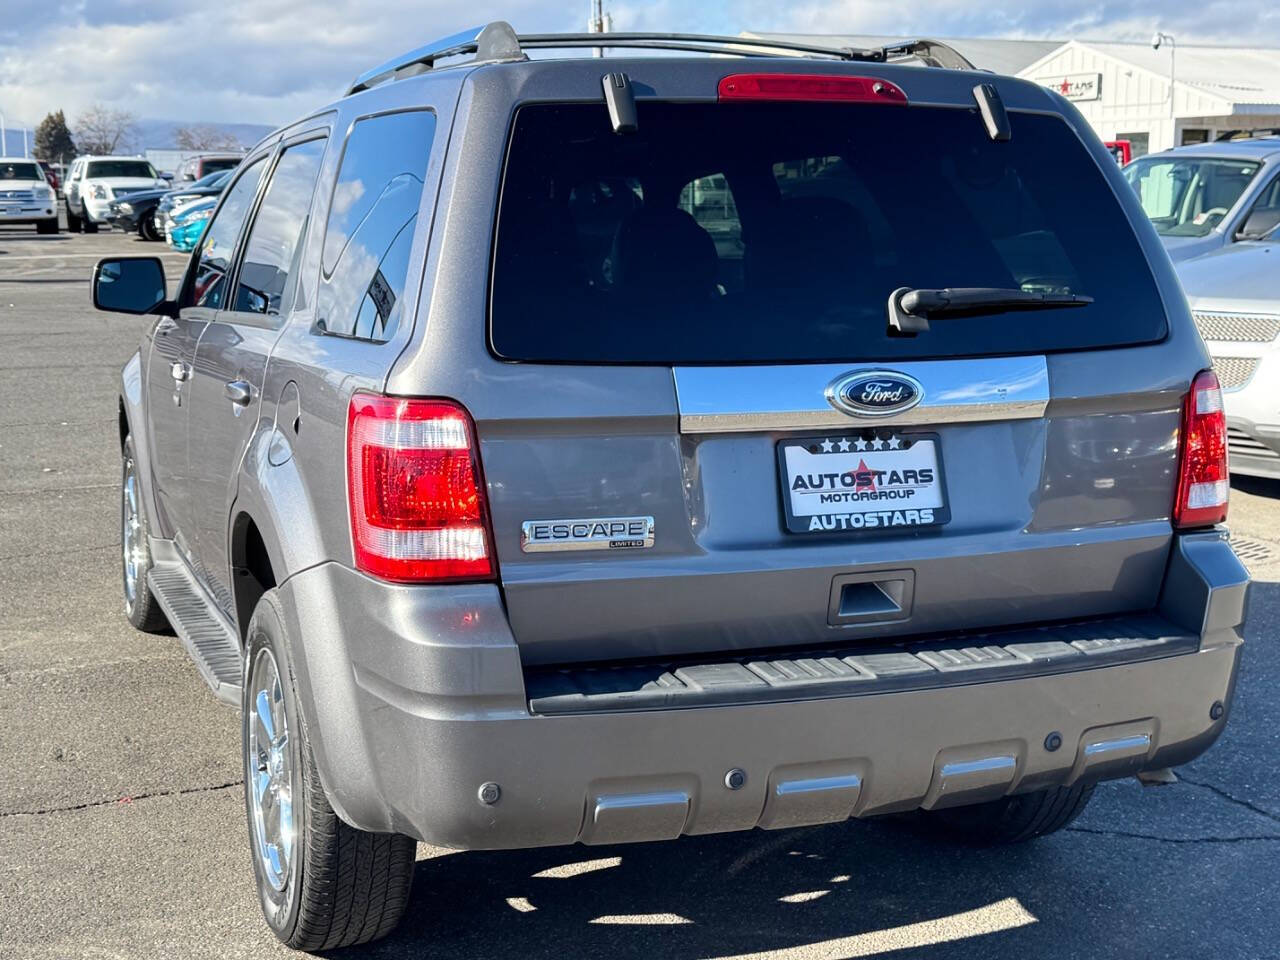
232, 355
698, 430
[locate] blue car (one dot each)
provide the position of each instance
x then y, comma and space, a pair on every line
188, 225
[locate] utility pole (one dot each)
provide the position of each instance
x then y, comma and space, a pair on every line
1156, 41
599, 22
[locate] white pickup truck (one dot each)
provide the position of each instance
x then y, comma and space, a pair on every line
94, 182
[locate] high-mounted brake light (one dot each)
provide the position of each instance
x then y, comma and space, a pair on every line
1203, 485
804, 86
417, 502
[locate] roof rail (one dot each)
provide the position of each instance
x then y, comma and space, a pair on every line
497, 42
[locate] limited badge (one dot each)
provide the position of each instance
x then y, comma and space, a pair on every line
604, 533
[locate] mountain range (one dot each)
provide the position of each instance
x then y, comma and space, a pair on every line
150, 133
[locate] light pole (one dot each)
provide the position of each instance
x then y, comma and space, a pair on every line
4, 149
1156, 41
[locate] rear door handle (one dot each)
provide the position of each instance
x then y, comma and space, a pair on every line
179, 371
238, 392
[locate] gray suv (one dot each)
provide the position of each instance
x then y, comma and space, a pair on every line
542, 451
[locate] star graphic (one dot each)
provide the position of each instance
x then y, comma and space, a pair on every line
826, 446
894, 443
862, 468
844, 446
859, 444
877, 444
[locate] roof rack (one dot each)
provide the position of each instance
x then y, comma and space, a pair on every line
497, 41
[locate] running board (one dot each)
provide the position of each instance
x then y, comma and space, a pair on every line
210, 640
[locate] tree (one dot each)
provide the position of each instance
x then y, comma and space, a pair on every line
102, 130
53, 139
205, 137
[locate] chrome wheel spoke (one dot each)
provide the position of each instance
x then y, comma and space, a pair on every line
270, 773
265, 720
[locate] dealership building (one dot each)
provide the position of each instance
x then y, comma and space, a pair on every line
1124, 89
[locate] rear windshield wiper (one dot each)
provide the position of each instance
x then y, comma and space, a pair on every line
910, 310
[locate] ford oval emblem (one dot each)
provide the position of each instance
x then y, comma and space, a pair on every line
874, 393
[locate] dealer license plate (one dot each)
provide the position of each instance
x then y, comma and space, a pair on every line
862, 482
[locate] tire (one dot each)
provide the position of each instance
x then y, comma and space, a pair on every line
323, 884
1014, 819
90, 226
147, 228
47, 226
73, 221
135, 551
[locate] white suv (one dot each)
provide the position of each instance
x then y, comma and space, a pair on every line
25, 195
1235, 299
95, 181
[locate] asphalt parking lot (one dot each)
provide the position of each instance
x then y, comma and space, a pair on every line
121, 824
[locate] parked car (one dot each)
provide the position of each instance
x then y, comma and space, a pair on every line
144, 212
499, 540
50, 174
209, 186
96, 181
189, 224
1203, 197
1235, 298
26, 196
199, 167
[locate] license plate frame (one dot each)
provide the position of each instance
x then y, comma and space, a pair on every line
910, 518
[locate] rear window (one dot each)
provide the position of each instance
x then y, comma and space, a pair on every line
120, 168
757, 233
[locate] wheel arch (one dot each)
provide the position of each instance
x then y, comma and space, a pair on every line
272, 529
131, 420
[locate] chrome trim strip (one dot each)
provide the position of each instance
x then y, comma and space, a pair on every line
985, 765
791, 397
818, 784
631, 801
1142, 740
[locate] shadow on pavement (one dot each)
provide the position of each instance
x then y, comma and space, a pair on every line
1258, 486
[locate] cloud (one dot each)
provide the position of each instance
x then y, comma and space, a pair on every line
270, 61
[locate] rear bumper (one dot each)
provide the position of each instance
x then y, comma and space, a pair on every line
1254, 448
415, 699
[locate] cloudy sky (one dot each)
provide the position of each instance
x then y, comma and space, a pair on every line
268, 61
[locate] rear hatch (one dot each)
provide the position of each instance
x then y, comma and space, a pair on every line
710, 440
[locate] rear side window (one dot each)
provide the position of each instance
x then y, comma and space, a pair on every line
371, 225
767, 232
269, 273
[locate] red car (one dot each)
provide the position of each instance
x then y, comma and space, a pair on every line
50, 175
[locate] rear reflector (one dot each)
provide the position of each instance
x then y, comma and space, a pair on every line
800, 86
417, 503
1203, 485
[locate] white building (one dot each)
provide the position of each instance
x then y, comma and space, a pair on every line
1123, 88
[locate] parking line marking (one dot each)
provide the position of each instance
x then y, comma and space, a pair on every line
63, 256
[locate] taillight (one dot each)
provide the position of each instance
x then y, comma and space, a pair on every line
803, 86
1203, 484
417, 501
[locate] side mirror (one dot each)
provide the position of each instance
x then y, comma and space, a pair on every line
167, 176
1259, 223
129, 285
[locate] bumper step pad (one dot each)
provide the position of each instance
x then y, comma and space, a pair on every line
210, 640
839, 672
